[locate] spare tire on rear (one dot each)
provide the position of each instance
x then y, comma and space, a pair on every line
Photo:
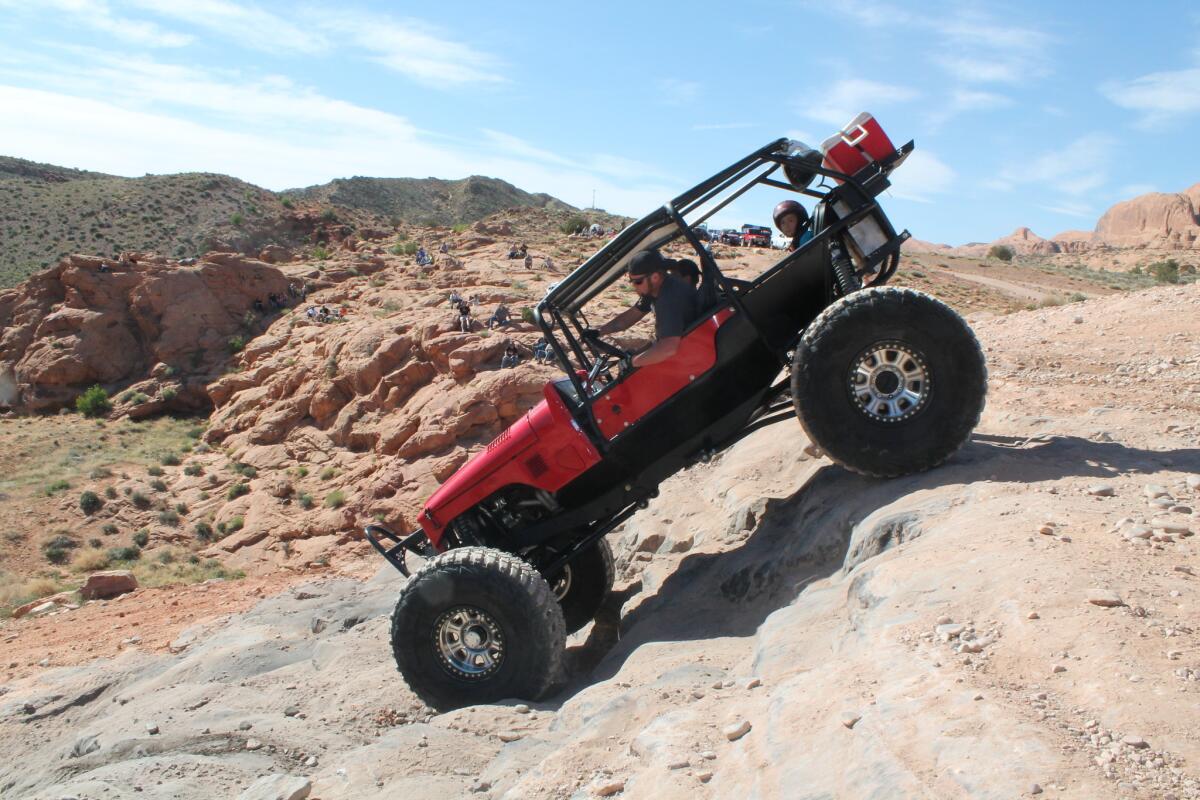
888, 381
476, 625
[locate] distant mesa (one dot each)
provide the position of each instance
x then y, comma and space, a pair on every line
1154, 221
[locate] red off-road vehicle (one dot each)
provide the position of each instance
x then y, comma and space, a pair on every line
756, 236
886, 381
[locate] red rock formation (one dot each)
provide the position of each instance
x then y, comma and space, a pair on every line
114, 322
1161, 221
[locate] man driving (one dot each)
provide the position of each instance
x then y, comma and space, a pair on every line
675, 306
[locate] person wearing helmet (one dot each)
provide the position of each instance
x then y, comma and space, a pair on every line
792, 220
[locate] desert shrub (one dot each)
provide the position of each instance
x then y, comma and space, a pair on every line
130, 553
94, 542
305, 499
108, 529
328, 473
193, 470
158, 485
155, 470
181, 508
287, 202
335, 499
1165, 271
90, 561
1001, 252
141, 538
245, 470
320, 253
237, 219
111, 493
169, 517
236, 343
56, 487
139, 499
301, 472
57, 549
100, 472
1076, 297
168, 394
93, 402
237, 490
204, 531
170, 460
90, 502
459, 227
575, 223
527, 316
195, 432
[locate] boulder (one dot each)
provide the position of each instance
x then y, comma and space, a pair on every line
101, 585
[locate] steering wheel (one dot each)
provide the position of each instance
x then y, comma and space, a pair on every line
606, 354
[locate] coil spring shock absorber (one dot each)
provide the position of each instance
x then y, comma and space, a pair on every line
843, 270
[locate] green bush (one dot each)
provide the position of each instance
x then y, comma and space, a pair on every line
236, 343
109, 529
93, 402
111, 493
56, 555
181, 508
245, 470
237, 490
193, 470
158, 485
131, 553
90, 502
305, 499
1165, 271
1001, 252
95, 543
100, 472
287, 202
234, 525
237, 219
328, 473
195, 432
141, 538
140, 500
168, 394
155, 470
575, 223
170, 460
168, 517
527, 316
204, 531
335, 499
58, 486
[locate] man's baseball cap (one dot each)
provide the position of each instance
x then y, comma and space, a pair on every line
648, 261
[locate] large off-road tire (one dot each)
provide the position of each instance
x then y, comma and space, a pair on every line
477, 625
888, 381
582, 585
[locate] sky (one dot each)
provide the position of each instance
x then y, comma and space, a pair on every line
1023, 113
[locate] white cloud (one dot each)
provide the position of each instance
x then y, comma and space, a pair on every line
1159, 96
279, 135
409, 47
247, 25
722, 126
99, 15
678, 92
1070, 209
922, 174
1136, 189
1076, 169
847, 97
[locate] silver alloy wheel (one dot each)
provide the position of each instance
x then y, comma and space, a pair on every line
562, 584
889, 382
469, 642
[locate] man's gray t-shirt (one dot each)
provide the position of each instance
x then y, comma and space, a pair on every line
675, 308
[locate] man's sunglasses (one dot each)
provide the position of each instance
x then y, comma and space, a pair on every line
637, 280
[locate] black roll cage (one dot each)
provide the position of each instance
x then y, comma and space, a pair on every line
560, 313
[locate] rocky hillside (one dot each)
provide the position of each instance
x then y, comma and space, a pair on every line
48, 212
428, 201
1017, 623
